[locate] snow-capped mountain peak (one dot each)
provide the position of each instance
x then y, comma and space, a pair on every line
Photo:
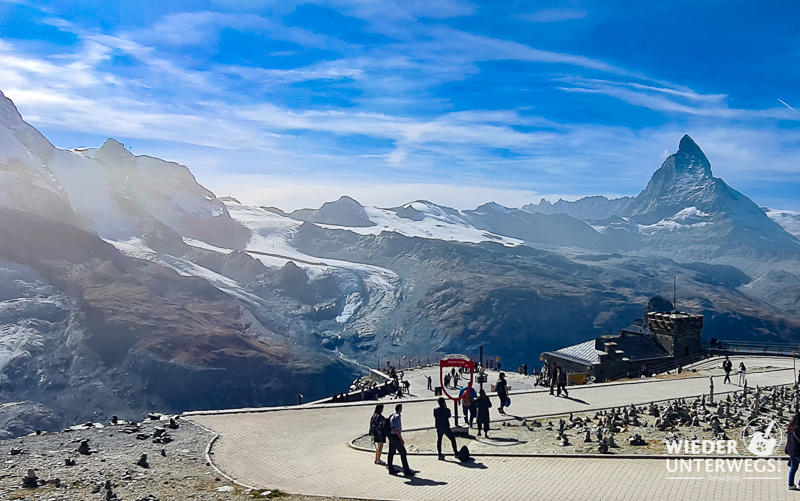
690, 159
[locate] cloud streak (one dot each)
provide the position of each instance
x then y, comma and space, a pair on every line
419, 99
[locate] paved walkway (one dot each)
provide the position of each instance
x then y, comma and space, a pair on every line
305, 450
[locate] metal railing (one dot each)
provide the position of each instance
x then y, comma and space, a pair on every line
780, 349
722, 348
669, 365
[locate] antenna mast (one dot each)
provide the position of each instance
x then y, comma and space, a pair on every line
675, 293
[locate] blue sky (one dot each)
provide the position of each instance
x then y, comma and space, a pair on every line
294, 103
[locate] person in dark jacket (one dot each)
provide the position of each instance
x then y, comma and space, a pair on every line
376, 426
483, 404
793, 449
441, 416
552, 376
561, 377
727, 366
501, 387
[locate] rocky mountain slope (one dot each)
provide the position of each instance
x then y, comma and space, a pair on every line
101, 313
125, 286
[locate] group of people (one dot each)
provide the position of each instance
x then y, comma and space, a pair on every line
382, 429
556, 378
476, 407
451, 378
727, 366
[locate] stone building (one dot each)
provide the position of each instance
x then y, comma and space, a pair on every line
657, 338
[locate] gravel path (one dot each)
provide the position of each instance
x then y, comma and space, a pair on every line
176, 470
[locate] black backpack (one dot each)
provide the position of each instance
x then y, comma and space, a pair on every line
463, 454
385, 427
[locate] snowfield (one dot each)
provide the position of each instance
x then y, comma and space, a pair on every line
790, 220
436, 223
690, 217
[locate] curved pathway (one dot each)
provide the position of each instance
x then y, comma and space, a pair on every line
305, 450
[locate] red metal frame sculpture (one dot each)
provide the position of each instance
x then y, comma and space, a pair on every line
460, 361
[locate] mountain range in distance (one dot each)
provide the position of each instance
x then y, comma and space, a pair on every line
127, 287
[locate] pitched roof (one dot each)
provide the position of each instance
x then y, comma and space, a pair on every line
584, 353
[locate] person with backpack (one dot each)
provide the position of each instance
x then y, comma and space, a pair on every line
396, 442
727, 366
793, 449
441, 416
483, 404
467, 403
377, 425
501, 387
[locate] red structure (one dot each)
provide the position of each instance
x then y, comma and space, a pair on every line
460, 362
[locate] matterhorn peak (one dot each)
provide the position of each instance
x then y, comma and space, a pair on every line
687, 144
689, 159
683, 180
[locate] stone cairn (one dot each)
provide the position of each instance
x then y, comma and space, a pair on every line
716, 415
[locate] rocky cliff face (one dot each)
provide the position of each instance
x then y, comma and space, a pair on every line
87, 331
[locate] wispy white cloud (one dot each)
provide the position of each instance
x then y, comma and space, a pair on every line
394, 123
266, 77
670, 99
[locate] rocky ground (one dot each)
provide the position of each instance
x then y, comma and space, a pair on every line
105, 463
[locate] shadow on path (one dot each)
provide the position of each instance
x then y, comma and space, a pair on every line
423, 481
472, 464
503, 439
584, 402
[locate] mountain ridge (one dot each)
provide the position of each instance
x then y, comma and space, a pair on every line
130, 287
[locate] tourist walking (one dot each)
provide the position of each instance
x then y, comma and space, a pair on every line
793, 449
551, 374
501, 387
483, 404
396, 442
562, 381
468, 404
742, 374
377, 429
727, 366
430, 383
441, 416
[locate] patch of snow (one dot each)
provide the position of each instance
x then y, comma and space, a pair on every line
351, 305
17, 340
788, 219
269, 243
436, 224
204, 245
133, 247
690, 217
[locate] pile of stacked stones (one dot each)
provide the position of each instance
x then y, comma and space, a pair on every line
723, 419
